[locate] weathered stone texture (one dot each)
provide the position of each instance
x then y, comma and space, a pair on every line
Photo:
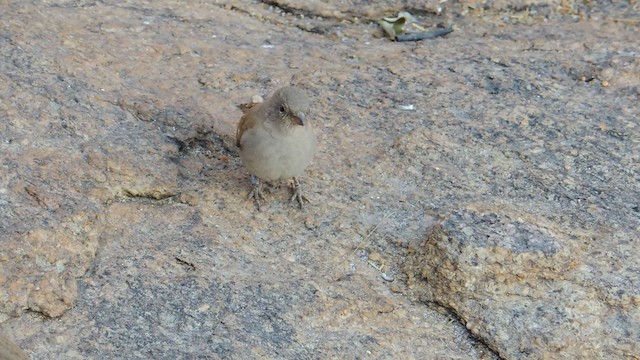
486, 179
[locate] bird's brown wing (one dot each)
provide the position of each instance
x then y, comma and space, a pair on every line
246, 107
247, 121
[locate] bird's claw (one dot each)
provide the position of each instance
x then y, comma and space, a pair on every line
297, 193
256, 193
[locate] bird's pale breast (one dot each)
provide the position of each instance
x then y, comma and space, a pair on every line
272, 155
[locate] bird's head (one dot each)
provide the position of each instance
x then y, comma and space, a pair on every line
290, 105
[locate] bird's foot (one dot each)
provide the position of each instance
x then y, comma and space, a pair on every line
297, 193
256, 192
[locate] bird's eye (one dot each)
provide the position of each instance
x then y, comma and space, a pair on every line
282, 109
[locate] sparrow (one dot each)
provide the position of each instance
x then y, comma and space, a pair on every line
276, 140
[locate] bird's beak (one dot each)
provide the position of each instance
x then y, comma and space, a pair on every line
301, 117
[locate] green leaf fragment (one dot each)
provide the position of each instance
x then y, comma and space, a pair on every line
394, 26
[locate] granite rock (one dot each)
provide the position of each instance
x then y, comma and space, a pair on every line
473, 196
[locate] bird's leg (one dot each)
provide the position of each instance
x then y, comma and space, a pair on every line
256, 193
297, 193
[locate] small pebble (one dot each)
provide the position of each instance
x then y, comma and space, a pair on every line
386, 277
309, 223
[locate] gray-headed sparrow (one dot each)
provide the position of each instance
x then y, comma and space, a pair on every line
276, 140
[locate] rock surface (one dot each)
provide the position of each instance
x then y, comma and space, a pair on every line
10, 351
474, 196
